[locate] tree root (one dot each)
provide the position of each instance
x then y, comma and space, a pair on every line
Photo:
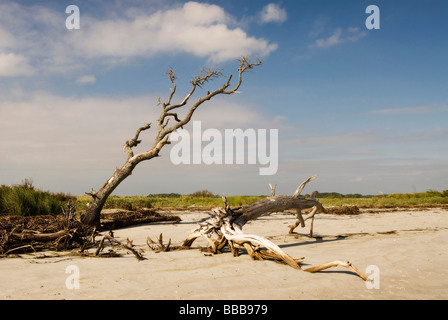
227, 225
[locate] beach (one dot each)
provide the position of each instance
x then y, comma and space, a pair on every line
405, 250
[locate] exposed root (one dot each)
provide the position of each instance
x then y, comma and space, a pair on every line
227, 225
158, 247
337, 263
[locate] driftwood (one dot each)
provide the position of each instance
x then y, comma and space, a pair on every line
239, 216
272, 187
30, 235
66, 232
227, 225
159, 246
127, 246
20, 234
124, 218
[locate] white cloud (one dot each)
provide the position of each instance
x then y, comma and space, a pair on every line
331, 41
54, 139
12, 64
81, 139
273, 13
35, 38
88, 79
339, 36
196, 28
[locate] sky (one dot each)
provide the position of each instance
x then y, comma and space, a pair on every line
365, 109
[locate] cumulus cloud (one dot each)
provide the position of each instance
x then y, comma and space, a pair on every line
195, 28
273, 13
40, 41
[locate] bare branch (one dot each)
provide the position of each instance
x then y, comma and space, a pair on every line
205, 75
129, 144
245, 65
92, 216
92, 193
137, 254
300, 188
173, 115
272, 187
337, 263
184, 102
172, 77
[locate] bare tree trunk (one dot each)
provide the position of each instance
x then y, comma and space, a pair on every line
92, 215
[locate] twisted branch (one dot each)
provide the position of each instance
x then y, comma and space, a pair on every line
227, 223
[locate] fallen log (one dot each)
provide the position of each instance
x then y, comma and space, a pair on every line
37, 236
239, 216
227, 224
125, 218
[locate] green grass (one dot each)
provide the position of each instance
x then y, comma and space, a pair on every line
136, 202
393, 200
387, 201
25, 200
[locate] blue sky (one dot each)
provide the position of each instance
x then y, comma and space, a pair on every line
366, 110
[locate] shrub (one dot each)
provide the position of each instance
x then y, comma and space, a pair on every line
25, 200
203, 194
164, 195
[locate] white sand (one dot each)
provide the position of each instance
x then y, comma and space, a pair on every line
408, 247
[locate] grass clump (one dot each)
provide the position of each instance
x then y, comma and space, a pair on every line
25, 200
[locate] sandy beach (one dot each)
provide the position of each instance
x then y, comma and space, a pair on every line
407, 248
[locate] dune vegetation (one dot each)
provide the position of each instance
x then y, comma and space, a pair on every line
26, 200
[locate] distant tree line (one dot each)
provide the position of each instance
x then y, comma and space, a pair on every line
337, 195
26, 200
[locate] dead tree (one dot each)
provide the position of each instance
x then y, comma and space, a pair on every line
227, 225
169, 112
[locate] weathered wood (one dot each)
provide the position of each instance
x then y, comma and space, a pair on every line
228, 222
270, 205
37, 236
272, 187
337, 263
168, 112
126, 218
137, 254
